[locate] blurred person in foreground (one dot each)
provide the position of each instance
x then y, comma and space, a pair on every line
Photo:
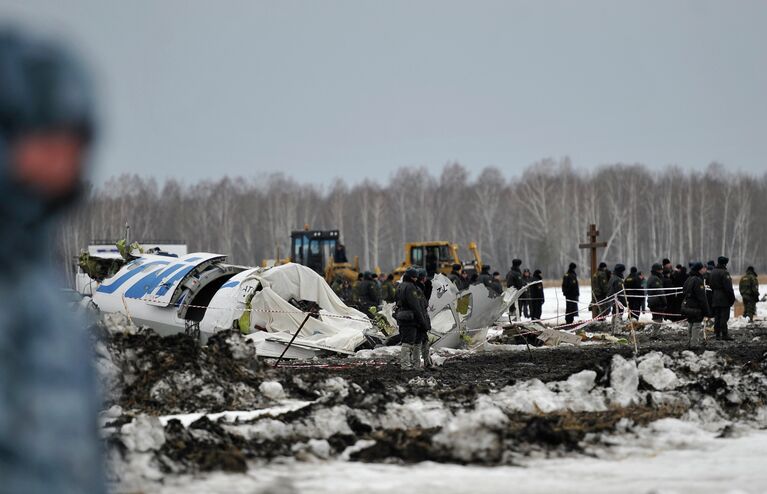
48, 401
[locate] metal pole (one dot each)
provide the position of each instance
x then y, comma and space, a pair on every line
308, 315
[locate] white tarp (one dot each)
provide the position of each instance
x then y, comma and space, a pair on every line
339, 326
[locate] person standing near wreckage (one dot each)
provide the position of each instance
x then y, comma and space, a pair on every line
49, 441
412, 319
656, 299
536, 296
723, 297
571, 292
749, 291
695, 304
616, 292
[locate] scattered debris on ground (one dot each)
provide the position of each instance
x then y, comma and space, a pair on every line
490, 407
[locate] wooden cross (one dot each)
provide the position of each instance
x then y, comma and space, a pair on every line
593, 245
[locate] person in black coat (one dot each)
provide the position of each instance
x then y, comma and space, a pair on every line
656, 300
634, 292
695, 304
571, 292
536, 296
722, 297
616, 292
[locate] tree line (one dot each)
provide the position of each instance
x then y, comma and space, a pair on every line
539, 216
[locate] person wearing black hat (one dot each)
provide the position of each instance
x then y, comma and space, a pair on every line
634, 292
599, 291
656, 300
616, 292
571, 292
723, 297
695, 304
514, 276
514, 279
749, 292
536, 296
412, 319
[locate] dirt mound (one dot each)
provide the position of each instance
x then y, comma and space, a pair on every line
147, 373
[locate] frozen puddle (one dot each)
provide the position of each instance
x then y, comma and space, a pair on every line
702, 464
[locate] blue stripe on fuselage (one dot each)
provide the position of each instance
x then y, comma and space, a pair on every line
112, 287
151, 281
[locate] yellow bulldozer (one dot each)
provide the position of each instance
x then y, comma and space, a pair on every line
437, 257
321, 251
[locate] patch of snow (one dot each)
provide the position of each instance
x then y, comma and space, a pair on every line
272, 390
653, 371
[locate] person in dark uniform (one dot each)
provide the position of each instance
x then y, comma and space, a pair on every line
412, 319
723, 297
749, 292
571, 292
535, 293
495, 285
455, 277
388, 289
484, 277
668, 285
656, 300
678, 277
599, 291
634, 292
616, 292
695, 304
339, 255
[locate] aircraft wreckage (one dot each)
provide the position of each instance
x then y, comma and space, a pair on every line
200, 294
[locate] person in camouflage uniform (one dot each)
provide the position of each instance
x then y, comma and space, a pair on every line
49, 435
749, 291
388, 290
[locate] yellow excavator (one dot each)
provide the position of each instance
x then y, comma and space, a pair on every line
321, 251
437, 257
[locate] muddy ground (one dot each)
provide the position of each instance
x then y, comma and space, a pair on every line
488, 407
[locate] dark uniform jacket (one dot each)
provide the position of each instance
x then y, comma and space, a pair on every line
633, 284
484, 278
570, 286
410, 298
535, 292
615, 287
721, 285
599, 285
388, 291
656, 299
514, 278
455, 277
695, 296
749, 287
368, 293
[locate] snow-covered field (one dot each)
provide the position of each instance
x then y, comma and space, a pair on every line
672, 456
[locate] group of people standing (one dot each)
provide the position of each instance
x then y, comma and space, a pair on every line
672, 293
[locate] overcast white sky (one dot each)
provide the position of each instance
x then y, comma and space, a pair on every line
318, 89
